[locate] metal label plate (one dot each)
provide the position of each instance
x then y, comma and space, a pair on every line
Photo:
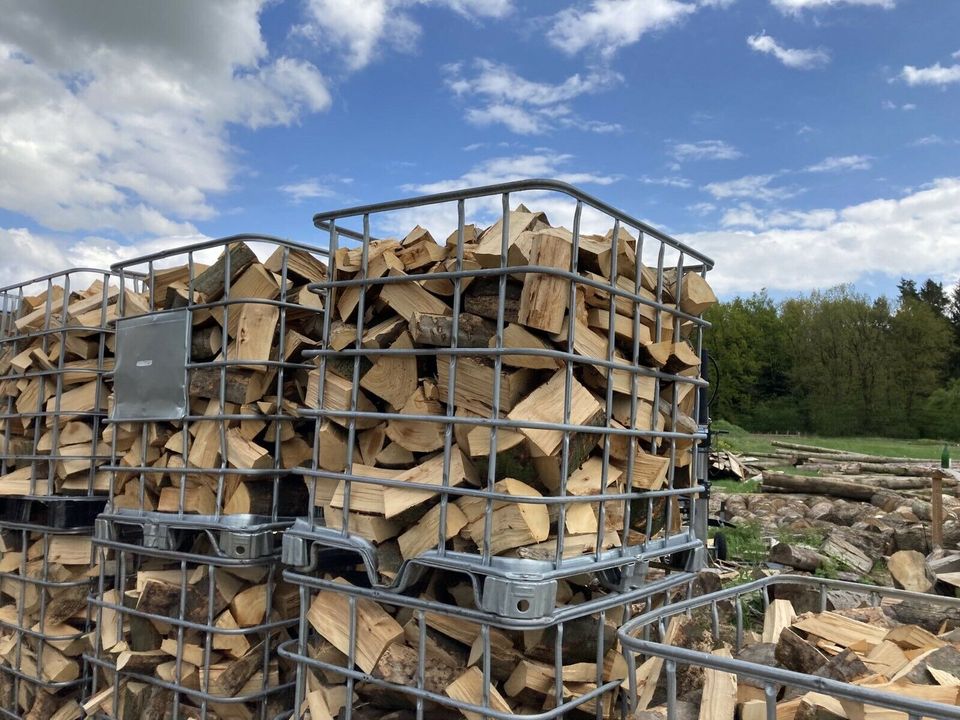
149, 380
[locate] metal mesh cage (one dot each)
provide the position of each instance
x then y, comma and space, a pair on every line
364, 653
659, 665
56, 344
189, 633
44, 619
210, 381
518, 402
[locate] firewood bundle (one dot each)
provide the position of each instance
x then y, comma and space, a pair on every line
45, 578
394, 635
55, 347
247, 383
391, 331
146, 633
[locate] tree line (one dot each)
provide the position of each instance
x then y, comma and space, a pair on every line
840, 363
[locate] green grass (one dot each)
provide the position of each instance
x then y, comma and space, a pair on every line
739, 440
733, 486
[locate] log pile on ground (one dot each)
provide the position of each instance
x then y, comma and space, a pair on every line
418, 314
51, 363
246, 327
854, 526
897, 648
43, 594
522, 663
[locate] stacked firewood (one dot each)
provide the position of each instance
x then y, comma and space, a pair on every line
405, 311
244, 612
900, 648
259, 319
53, 354
392, 640
44, 627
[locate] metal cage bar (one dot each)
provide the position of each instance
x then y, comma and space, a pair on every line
622, 412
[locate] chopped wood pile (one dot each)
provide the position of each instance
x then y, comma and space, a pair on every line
898, 648
259, 324
53, 353
523, 674
44, 627
416, 313
135, 649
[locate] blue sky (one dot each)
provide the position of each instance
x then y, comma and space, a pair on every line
802, 143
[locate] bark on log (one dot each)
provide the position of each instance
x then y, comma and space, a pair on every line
819, 486
796, 556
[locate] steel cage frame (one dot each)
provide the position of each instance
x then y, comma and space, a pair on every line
55, 327
149, 266
634, 636
507, 570
129, 560
296, 650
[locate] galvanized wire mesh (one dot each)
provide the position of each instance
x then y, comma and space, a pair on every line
363, 653
585, 423
229, 444
646, 638
56, 345
44, 619
191, 633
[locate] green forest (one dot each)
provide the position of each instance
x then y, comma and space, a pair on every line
840, 363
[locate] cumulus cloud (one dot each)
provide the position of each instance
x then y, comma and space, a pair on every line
307, 189
605, 26
361, 30
799, 251
795, 58
703, 150
750, 186
115, 117
935, 74
842, 163
797, 6
441, 219
496, 94
668, 181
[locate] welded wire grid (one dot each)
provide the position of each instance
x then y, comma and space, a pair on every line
601, 698
273, 374
72, 337
188, 690
639, 639
658, 508
32, 640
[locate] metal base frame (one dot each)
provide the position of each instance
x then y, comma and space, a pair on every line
635, 637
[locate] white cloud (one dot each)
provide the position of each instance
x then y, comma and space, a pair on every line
525, 106
890, 105
671, 181
795, 58
702, 208
756, 187
441, 219
28, 255
797, 6
307, 189
841, 163
908, 106
115, 117
822, 248
928, 140
746, 215
936, 74
608, 25
704, 150
361, 30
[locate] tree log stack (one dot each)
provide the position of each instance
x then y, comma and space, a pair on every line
45, 578
55, 348
390, 377
528, 668
205, 627
235, 451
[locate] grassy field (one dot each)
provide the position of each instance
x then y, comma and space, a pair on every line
739, 440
